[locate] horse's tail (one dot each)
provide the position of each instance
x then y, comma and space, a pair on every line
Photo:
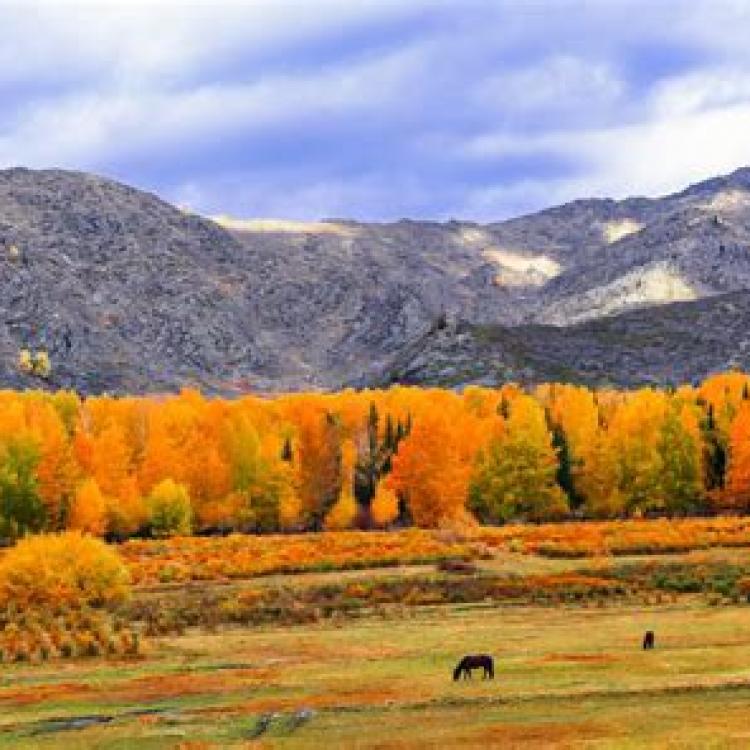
457, 670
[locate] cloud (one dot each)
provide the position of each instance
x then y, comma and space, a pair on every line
568, 87
82, 128
377, 109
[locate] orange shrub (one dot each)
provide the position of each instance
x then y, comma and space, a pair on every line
59, 571
246, 556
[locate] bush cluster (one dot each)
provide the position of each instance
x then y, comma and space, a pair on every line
59, 597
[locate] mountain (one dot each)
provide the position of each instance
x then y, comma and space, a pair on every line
130, 294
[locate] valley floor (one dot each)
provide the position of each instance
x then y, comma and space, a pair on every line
570, 676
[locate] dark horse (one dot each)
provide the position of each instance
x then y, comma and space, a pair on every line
648, 639
477, 661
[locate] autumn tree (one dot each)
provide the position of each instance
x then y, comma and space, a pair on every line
319, 465
57, 470
515, 477
370, 463
21, 507
679, 452
431, 469
598, 481
574, 417
715, 449
737, 494
106, 457
170, 512
634, 432
89, 509
344, 511
260, 478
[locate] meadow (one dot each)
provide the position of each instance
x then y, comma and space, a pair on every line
330, 653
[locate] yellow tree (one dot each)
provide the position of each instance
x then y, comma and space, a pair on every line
575, 417
634, 431
106, 458
515, 476
57, 470
597, 481
680, 453
344, 511
89, 509
737, 493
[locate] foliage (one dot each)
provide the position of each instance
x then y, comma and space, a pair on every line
310, 461
384, 507
170, 512
34, 363
89, 510
516, 474
21, 507
62, 571
241, 556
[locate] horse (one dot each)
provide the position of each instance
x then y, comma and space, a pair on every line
648, 640
476, 661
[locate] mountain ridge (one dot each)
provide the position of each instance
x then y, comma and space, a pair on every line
127, 293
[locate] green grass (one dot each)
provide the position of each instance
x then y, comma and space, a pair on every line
566, 677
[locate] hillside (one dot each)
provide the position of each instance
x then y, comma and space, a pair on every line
128, 293
666, 345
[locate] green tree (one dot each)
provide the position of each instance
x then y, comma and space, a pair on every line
21, 507
370, 462
714, 451
516, 475
170, 512
680, 472
565, 466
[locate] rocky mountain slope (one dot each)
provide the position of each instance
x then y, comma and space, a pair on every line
127, 293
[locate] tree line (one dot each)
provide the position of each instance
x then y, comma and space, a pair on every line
185, 463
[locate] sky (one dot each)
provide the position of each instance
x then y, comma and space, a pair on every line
376, 109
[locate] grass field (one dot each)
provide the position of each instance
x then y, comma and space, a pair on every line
567, 676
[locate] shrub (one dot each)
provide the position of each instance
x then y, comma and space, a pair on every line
42, 365
25, 361
34, 363
384, 506
59, 571
57, 596
170, 512
342, 514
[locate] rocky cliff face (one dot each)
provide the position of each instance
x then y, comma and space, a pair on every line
128, 294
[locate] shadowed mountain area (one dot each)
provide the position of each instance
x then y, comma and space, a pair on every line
127, 293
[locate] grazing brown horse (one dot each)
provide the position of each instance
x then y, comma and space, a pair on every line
476, 661
648, 640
